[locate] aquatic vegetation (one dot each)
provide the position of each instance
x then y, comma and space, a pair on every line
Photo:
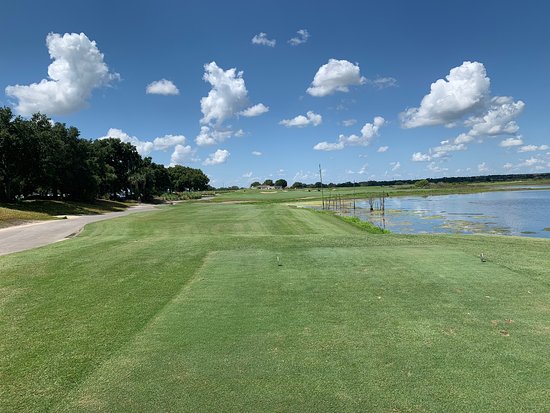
430, 217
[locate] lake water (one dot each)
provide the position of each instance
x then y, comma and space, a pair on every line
521, 212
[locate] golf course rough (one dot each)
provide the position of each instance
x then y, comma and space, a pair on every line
188, 309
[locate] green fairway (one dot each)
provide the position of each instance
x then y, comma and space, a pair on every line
207, 307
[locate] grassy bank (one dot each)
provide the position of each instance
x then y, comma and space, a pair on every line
39, 210
262, 307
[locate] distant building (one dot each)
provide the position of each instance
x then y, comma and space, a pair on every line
269, 187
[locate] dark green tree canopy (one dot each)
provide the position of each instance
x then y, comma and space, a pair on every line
268, 182
184, 178
52, 160
281, 182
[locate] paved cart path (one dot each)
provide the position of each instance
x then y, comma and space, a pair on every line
24, 237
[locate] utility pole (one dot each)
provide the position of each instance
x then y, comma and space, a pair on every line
322, 192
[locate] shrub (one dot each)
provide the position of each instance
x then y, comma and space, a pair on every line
423, 183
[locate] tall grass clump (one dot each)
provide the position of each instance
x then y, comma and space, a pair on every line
364, 225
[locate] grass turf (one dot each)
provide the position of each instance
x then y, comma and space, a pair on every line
187, 309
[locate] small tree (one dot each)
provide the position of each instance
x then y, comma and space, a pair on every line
423, 183
297, 185
268, 182
281, 182
255, 184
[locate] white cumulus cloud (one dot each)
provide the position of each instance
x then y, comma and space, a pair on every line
349, 122
482, 167
77, 69
303, 36
227, 97
509, 142
395, 165
382, 149
445, 148
364, 169
168, 141
305, 175
383, 82
255, 110
326, 146
432, 166
301, 121
464, 138
181, 154
499, 118
144, 148
162, 87
532, 161
438, 152
256, 153
463, 90
218, 157
335, 76
210, 136
261, 39
533, 148
531, 164
368, 132
464, 98
420, 157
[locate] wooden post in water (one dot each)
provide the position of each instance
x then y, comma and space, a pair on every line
322, 192
354, 197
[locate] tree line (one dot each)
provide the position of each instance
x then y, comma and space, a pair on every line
269, 182
42, 158
418, 183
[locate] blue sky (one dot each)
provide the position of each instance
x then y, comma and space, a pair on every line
370, 90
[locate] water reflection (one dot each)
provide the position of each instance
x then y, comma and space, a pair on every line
525, 213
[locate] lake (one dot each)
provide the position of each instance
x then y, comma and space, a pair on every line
519, 212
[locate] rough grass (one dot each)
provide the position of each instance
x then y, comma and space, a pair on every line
38, 210
10, 216
188, 309
364, 225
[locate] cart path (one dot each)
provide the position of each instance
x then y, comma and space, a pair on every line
24, 237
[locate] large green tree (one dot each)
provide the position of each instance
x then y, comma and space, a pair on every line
120, 161
38, 157
184, 178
